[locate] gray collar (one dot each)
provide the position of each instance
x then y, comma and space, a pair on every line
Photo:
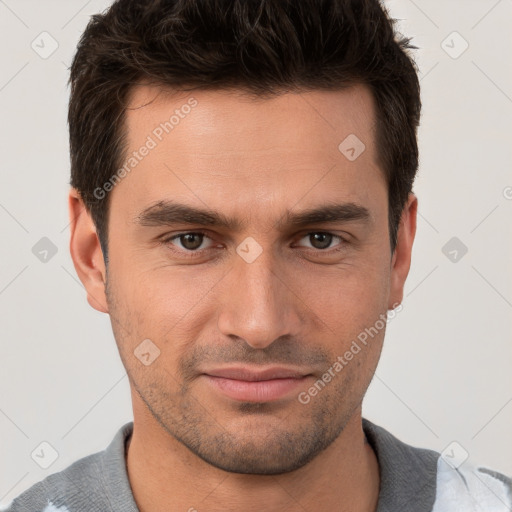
408, 474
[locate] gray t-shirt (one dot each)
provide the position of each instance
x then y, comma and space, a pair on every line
412, 479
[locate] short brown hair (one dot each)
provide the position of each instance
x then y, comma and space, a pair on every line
261, 46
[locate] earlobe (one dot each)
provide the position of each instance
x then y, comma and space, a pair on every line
401, 260
86, 252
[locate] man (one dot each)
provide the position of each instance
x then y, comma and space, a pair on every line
242, 208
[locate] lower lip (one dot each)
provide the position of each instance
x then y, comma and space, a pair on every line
257, 391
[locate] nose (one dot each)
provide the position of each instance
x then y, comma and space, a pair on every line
258, 302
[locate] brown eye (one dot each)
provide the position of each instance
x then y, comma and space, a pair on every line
322, 241
191, 241
187, 242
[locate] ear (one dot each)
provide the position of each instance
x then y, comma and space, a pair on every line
86, 252
401, 260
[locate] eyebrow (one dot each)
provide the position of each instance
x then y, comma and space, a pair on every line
166, 213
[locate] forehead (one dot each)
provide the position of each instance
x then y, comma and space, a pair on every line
227, 146
316, 118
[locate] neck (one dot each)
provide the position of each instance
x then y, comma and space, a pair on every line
165, 476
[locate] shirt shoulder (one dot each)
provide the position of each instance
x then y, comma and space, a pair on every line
56, 491
94, 483
469, 488
419, 479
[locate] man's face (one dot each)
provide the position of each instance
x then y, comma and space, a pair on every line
263, 294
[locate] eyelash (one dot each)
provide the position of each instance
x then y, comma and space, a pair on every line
193, 253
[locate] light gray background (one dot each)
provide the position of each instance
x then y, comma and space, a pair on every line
445, 374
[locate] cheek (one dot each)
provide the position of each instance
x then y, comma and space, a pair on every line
155, 288
348, 298
170, 306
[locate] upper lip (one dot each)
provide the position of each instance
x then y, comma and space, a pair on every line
252, 375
